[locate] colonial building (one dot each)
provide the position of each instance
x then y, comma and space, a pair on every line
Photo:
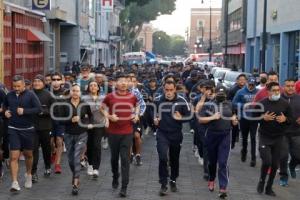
200, 28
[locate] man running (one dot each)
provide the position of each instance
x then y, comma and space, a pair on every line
171, 108
19, 106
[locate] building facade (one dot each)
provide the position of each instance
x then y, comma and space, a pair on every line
146, 37
283, 44
80, 31
236, 29
200, 28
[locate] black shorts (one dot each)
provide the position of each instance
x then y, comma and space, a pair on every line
20, 139
137, 127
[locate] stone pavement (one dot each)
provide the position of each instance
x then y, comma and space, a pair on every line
144, 180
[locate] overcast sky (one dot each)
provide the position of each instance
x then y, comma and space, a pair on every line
178, 22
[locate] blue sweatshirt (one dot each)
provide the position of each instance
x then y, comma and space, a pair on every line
26, 100
242, 97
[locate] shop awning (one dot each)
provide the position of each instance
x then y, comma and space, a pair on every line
37, 36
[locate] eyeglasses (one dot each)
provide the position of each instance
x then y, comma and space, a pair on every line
56, 79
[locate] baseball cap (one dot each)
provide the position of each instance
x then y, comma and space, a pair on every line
252, 81
220, 90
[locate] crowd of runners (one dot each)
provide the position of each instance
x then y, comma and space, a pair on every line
89, 109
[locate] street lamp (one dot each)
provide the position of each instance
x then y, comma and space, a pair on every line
210, 42
264, 38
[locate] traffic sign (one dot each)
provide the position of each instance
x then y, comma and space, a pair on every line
107, 5
41, 4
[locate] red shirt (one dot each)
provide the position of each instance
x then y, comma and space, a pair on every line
298, 87
123, 106
262, 94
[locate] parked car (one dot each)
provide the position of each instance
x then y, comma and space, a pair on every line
229, 78
219, 74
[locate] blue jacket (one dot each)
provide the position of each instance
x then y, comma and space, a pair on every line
26, 100
242, 97
168, 124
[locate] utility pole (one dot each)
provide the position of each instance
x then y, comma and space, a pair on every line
210, 23
264, 38
210, 42
226, 33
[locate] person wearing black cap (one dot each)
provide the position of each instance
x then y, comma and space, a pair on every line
241, 81
241, 102
206, 87
190, 82
43, 125
84, 78
217, 114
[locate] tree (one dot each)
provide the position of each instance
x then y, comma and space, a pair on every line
136, 14
166, 45
139, 2
161, 43
178, 45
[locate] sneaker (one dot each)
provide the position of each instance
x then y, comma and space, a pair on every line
138, 160
47, 172
57, 169
83, 163
200, 161
15, 187
173, 186
270, 192
196, 154
147, 131
123, 192
105, 143
163, 190
75, 190
222, 194
260, 187
131, 158
253, 163
211, 186
293, 172
53, 158
194, 149
90, 170
269, 170
283, 182
115, 183
28, 181
243, 156
35, 178
95, 173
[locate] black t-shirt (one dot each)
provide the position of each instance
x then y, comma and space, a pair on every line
212, 107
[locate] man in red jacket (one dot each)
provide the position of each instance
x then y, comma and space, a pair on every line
263, 93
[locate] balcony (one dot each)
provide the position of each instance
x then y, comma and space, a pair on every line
57, 14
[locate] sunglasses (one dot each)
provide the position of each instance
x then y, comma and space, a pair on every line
56, 79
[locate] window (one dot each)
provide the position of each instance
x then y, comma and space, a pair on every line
235, 20
91, 8
200, 24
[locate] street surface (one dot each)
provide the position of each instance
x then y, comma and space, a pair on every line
144, 180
